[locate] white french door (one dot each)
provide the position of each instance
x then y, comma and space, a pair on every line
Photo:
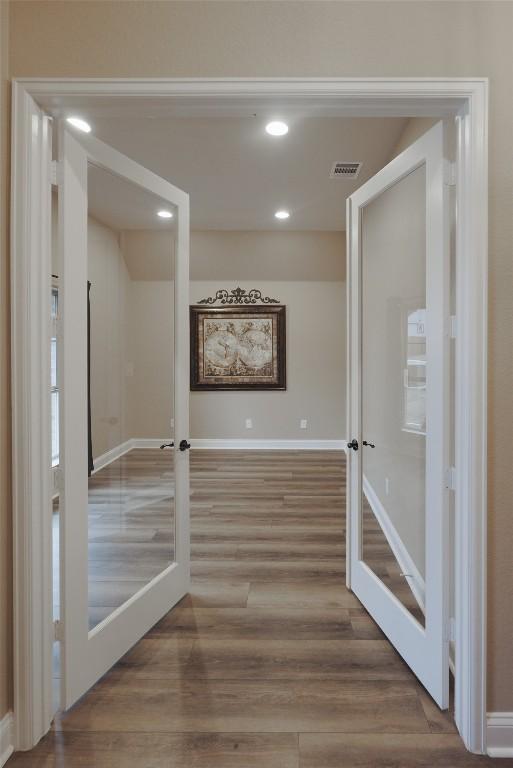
398, 450
123, 379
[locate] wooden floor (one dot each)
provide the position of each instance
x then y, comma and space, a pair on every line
270, 661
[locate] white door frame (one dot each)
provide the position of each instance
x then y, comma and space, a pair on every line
30, 269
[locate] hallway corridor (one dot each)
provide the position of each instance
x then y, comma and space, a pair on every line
270, 661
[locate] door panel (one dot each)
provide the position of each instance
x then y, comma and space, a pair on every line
398, 502
393, 286
131, 515
124, 350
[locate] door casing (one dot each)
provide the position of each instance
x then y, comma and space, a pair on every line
464, 98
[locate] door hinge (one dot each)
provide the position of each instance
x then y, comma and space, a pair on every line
450, 478
57, 630
452, 327
55, 173
449, 174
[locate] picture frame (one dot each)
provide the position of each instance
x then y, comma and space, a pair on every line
238, 348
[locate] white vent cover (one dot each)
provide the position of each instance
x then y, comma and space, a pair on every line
345, 170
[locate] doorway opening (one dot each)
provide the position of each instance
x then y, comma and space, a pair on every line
332, 425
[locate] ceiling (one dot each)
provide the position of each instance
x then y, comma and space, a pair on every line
120, 204
236, 174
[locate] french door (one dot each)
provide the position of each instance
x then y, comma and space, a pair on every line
123, 382
398, 448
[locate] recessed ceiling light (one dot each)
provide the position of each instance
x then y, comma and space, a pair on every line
282, 215
80, 124
277, 128
165, 214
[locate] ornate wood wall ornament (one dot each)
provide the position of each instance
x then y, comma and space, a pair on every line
238, 296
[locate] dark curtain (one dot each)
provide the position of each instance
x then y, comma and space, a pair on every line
89, 437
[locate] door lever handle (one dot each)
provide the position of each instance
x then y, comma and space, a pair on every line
184, 445
167, 445
370, 445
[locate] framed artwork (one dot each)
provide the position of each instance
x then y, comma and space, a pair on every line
236, 347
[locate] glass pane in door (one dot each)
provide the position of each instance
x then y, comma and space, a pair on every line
394, 385
131, 511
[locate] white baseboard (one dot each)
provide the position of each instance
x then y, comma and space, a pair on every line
401, 554
150, 442
499, 734
270, 445
119, 450
6, 738
109, 456
221, 445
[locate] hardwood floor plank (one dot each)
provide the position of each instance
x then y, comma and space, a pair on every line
221, 594
274, 571
254, 623
162, 750
313, 593
283, 550
365, 628
439, 722
154, 659
342, 659
337, 750
247, 705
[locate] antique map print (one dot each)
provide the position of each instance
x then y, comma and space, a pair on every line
238, 346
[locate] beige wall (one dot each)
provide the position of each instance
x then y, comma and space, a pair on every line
303, 270
268, 255
413, 130
273, 39
150, 385
316, 386
5, 414
316, 326
132, 333
110, 301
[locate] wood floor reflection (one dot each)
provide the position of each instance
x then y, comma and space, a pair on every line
378, 555
131, 528
269, 662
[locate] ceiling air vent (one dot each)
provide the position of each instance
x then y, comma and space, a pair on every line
345, 170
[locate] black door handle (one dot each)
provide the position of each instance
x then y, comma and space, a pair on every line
353, 444
167, 445
184, 445
370, 445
